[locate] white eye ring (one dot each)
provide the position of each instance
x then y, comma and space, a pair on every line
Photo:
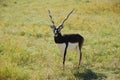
56, 31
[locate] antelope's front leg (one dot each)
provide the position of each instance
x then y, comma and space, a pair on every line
64, 56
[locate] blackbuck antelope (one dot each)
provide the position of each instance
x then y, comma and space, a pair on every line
66, 40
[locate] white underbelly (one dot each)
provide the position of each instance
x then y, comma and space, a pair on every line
70, 46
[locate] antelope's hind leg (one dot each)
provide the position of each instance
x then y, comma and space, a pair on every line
80, 53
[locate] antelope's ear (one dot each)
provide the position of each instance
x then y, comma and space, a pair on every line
52, 27
60, 27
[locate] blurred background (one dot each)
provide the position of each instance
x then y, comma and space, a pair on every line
28, 51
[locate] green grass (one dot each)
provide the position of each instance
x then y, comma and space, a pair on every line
28, 51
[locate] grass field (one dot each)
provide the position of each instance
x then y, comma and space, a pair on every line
28, 51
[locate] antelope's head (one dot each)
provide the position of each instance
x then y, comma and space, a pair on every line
57, 30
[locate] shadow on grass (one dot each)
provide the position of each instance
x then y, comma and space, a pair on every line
88, 74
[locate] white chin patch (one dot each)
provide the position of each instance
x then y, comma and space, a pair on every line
56, 35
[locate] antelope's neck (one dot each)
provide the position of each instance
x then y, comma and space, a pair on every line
58, 39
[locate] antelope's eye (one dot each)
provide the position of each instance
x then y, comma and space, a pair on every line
55, 31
